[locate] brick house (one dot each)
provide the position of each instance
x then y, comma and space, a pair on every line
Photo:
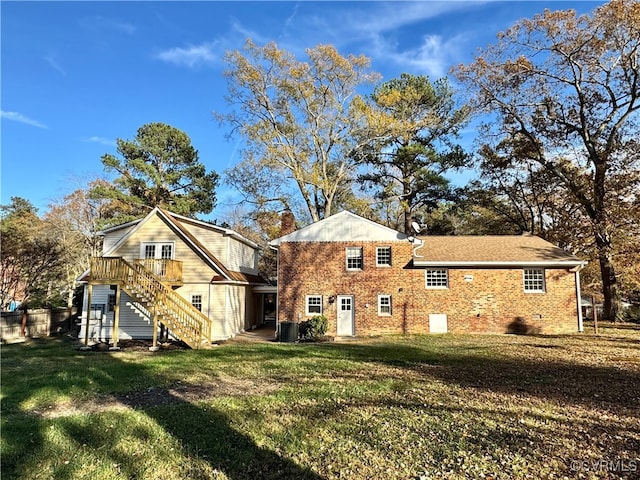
368, 279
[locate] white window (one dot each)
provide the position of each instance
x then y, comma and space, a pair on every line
149, 251
166, 251
533, 279
314, 304
354, 258
196, 301
436, 278
157, 250
383, 256
384, 305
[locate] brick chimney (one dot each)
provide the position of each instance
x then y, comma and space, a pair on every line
287, 223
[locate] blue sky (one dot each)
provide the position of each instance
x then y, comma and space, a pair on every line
77, 75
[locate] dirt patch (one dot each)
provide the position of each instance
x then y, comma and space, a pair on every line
140, 346
155, 397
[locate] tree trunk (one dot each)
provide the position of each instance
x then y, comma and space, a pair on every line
407, 221
611, 304
609, 288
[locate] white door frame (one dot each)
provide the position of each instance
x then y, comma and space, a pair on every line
345, 326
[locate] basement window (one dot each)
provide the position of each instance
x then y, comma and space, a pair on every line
533, 279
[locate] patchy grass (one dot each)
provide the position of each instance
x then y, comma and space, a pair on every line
387, 408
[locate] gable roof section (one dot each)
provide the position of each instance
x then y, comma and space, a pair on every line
179, 218
491, 251
343, 226
173, 221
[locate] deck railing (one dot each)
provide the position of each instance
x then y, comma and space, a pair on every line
169, 271
106, 269
175, 312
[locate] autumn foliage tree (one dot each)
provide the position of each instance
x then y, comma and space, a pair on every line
566, 87
297, 123
32, 258
74, 221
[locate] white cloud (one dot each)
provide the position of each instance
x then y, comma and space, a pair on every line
103, 23
390, 16
19, 117
191, 56
101, 140
433, 57
51, 60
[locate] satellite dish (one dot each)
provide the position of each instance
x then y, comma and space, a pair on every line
416, 227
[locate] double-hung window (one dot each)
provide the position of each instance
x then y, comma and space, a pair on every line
383, 256
384, 305
313, 305
436, 278
111, 302
354, 258
533, 279
196, 301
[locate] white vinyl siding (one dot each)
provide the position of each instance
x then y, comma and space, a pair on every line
242, 258
135, 321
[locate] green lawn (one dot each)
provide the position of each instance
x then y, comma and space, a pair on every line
387, 408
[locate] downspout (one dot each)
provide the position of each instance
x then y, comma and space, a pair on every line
420, 244
417, 245
579, 297
277, 250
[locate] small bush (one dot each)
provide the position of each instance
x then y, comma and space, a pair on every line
313, 328
631, 314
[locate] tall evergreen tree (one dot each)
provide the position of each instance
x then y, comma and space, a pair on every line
161, 168
408, 143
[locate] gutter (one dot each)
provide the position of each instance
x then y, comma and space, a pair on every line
485, 264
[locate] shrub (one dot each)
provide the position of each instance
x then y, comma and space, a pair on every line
313, 328
631, 314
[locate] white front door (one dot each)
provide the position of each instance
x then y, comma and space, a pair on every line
345, 315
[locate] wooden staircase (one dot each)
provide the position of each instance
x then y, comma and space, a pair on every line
184, 321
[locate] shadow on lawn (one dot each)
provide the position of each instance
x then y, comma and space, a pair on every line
207, 442
606, 387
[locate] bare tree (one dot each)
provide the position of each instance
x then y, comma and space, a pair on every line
297, 120
567, 87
